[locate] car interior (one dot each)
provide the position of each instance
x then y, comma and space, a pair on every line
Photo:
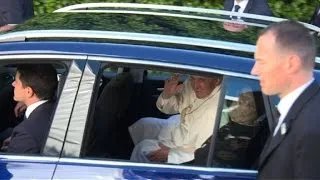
126, 94
123, 95
7, 103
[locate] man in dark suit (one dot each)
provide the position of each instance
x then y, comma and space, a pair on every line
14, 12
285, 57
260, 7
35, 86
315, 19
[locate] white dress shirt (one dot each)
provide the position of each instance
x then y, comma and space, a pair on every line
286, 103
33, 106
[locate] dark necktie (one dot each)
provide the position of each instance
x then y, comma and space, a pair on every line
236, 9
277, 114
276, 117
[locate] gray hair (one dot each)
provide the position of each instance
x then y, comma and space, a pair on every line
294, 36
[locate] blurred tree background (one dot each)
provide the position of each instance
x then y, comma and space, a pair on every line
291, 9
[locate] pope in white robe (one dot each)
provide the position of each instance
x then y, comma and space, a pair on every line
175, 139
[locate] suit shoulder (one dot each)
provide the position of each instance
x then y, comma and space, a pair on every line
40, 118
43, 111
314, 101
228, 5
310, 114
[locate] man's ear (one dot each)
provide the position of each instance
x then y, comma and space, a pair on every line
218, 81
30, 92
293, 64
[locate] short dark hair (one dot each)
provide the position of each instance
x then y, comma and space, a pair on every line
42, 78
294, 36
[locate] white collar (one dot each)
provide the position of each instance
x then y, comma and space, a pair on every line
287, 101
33, 106
243, 4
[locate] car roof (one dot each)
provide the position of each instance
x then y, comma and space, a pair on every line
140, 53
146, 24
154, 19
141, 23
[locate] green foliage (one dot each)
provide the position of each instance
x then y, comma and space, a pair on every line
292, 9
301, 10
48, 6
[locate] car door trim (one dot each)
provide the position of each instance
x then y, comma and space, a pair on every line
60, 123
18, 55
149, 165
28, 159
132, 36
170, 65
78, 119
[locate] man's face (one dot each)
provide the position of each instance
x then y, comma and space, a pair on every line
202, 86
234, 26
270, 66
20, 92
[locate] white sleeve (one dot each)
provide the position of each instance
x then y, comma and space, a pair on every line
173, 104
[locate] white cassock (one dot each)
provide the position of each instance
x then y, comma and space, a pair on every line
182, 133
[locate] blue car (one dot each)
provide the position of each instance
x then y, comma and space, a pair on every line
112, 60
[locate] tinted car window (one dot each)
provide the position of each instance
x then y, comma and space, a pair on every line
243, 127
123, 102
15, 122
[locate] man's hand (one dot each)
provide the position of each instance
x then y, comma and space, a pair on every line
19, 109
171, 86
160, 155
5, 144
6, 28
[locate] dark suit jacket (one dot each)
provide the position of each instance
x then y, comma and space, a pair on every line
15, 11
315, 19
260, 7
294, 154
30, 135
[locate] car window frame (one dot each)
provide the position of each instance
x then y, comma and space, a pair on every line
47, 162
131, 62
68, 61
268, 112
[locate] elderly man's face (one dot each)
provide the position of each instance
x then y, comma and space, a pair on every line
203, 86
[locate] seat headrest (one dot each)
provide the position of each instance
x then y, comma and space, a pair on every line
120, 80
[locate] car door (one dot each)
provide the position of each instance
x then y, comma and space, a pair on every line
75, 164
42, 166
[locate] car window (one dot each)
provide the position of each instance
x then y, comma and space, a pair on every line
28, 102
243, 127
120, 123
